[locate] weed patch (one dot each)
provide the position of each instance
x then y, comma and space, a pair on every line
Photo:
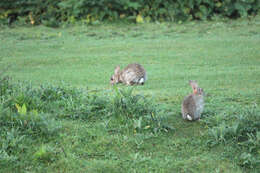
240, 129
30, 114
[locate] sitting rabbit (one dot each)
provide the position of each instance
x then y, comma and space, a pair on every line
193, 104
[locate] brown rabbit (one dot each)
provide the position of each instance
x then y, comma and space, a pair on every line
193, 104
132, 74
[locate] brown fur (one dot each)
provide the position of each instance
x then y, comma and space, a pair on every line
130, 75
193, 104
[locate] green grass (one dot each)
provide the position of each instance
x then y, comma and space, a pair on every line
223, 56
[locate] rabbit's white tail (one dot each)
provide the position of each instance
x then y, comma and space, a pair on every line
189, 117
141, 81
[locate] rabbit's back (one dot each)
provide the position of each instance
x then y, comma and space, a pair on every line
134, 73
188, 107
192, 107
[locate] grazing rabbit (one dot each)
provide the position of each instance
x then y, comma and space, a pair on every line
132, 74
193, 104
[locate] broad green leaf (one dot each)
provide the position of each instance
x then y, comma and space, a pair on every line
23, 110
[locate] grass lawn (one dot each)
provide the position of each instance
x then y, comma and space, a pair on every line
223, 56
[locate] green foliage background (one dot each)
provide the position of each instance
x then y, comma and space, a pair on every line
52, 13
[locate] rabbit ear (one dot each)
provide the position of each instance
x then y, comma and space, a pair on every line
193, 83
194, 86
117, 69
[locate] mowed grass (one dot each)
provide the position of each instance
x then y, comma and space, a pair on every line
223, 56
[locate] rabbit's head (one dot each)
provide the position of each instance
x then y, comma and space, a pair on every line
195, 88
115, 78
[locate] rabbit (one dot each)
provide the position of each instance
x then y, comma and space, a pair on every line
130, 75
193, 104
